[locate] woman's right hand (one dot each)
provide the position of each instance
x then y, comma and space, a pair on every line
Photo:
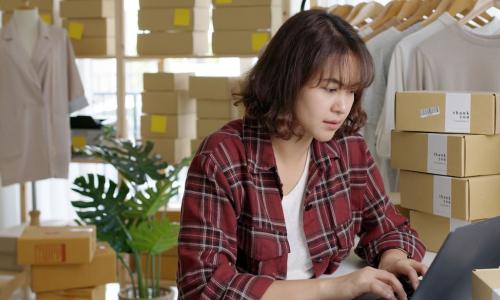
367, 280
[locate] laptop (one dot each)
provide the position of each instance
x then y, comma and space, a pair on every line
474, 246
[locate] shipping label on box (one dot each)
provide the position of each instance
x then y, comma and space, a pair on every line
87, 28
247, 18
471, 198
173, 127
90, 293
56, 245
173, 43
486, 284
214, 88
168, 103
446, 112
191, 19
100, 271
166, 81
172, 150
239, 42
446, 154
222, 3
173, 3
205, 127
432, 229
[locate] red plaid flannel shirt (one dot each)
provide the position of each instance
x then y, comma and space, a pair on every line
233, 240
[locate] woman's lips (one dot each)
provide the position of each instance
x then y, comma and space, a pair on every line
332, 124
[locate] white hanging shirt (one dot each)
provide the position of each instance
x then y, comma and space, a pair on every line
36, 97
299, 264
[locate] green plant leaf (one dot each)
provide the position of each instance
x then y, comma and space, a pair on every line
154, 236
104, 208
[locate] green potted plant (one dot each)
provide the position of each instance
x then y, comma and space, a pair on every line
125, 213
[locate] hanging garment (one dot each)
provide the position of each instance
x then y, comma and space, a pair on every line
36, 97
456, 59
381, 48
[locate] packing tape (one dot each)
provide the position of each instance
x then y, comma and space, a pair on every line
158, 124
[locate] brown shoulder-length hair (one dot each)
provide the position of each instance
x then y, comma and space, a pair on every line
308, 46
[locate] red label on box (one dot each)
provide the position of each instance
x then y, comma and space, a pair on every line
50, 253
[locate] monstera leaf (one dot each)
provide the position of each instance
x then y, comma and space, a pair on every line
154, 236
134, 162
146, 203
104, 209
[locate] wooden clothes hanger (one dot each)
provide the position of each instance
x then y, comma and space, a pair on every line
392, 22
480, 7
340, 10
355, 11
369, 11
390, 11
26, 5
425, 9
440, 9
408, 9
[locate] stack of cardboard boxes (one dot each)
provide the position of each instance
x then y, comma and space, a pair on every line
486, 284
12, 275
46, 8
448, 150
90, 25
169, 115
66, 262
176, 27
214, 104
243, 27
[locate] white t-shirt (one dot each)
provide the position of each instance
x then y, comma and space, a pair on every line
299, 265
381, 48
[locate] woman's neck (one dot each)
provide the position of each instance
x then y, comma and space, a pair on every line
292, 150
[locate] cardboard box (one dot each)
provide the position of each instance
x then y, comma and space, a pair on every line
100, 271
239, 42
215, 88
8, 239
471, 198
98, 27
11, 5
486, 284
247, 18
166, 81
433, 229
476, 113
190, 19
168, 266
220, 3
11, 281
172, 150
168, 103
87, 9
94, 46
174, 216
64, 245
446, 154
173, 3
205, 127
8, 262
214, 109
173, 43
90, 293
173, 127
195, 144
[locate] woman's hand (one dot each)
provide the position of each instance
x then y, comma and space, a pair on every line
397, 262
367, 280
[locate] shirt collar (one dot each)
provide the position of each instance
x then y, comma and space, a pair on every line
10, 31
260, 154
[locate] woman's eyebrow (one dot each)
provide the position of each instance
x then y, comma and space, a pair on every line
334, 80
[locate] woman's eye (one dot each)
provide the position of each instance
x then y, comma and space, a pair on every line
331, 90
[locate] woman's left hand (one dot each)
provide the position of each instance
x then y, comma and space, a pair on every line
397, 262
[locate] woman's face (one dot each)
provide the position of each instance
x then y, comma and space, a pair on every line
322, 108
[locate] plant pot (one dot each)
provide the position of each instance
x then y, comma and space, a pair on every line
166, 293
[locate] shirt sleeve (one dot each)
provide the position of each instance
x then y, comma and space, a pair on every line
383, 228
76, 94
208, 241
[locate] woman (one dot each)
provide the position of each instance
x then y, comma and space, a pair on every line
282, 193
